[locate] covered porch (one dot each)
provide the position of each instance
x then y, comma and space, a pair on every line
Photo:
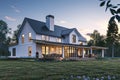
66, 50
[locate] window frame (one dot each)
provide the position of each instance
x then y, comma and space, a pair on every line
29, 36
13, 51
73, 38
46, 38
58, 40
23, 38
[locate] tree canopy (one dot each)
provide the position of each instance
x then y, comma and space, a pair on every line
4, 30
96, 39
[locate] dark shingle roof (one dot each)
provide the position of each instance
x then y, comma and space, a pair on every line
66, 32
40, 28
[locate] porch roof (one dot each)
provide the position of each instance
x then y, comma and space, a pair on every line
67, 44
58, 43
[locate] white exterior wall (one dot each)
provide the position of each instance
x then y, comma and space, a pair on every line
70, 37
38, 37
22, 48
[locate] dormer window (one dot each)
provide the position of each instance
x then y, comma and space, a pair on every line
29, 36
44, 37
23, 37
73, 38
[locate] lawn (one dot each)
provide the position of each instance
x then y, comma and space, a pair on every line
66, 70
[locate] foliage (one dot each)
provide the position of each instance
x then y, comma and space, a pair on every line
112, 36
4, 39
114, 9
112, 33
15, 38
4, 30
4, 50
51, 57
96, 39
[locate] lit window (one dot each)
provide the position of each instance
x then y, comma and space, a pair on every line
73, 38
29, 36
43, 37
29, 51
58, 40
23, 37
46, 38
45, 50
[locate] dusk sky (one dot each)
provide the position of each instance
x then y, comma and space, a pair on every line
85, 15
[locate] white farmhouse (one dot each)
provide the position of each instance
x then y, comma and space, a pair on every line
39, 38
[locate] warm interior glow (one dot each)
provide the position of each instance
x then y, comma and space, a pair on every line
23, 38
29, 36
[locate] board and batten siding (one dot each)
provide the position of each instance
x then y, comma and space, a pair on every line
22, 48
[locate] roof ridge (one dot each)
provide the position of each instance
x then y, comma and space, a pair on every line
45, 22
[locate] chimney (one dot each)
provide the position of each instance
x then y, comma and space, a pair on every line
50, 22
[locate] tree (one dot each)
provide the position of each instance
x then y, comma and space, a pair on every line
96, 39
112, 35
4, 30
15, 38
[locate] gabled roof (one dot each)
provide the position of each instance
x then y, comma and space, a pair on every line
40, 28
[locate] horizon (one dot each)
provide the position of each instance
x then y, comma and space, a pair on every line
84, 15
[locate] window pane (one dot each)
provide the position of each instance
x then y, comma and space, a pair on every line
23, 38
73, 38
45, 37
29, 36
58, 40
47, 50
43, 49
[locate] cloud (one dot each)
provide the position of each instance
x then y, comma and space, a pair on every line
15, 9
63, 22
9, 18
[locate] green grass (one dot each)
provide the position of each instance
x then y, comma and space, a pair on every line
33, 70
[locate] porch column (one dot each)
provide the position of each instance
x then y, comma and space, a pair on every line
102, 53
83, 54
90, 50
63, 52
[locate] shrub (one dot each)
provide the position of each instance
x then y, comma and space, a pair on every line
4, 50
99, 58
51, 57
